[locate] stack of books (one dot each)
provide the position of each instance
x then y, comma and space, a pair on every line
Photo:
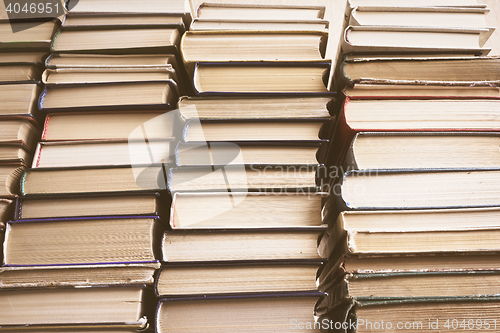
85, 242
22, 52
412, 217
245, 217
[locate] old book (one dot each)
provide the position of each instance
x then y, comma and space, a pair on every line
110, 61
19, 73
426, 232
219, 78
257, 130
182, 280
411, 3
423, 315
366, 287
15, 153
221, 11
423, 150
100, 153
274, 313
104, 180
78, 275
27, 36
439, 71
102, 125
20, 101
226, 245
449, 17
225, 46
109, 75
235, 108
158, 40
257, 25
434, 189
123, 6
7, 208
269, 178
85, 241
119, 95
215, 210
84, 20
96, 308
410, 91
375, 39
75, 206
10, 175
20, 131
23, 57
250, 153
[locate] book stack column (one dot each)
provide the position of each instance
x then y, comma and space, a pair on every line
241, 253
22, 53
413, 220
91, 207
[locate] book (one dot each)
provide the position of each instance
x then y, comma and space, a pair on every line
6, 211
10, 175
251, 130
110, 61
424, 315
449, 17
183, 280
22, 73
111, 75
116, 40
271, 78
122, 6
453, 71
275, 179
102, 125
117, 95
385, 233
15, 153
375, 39
22, 57
27, 36
20, 131
86, 20
285, 107
410, 3
230, 11
78, 206
423, 150
226, 46
257, 25
250, 153
78, 275
373, 287
20, 101
278, 313
411, 91
65, 154
93, 180
216, 210
96, 308
85, 241
235, 246
406, 190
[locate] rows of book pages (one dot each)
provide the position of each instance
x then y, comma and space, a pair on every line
413, 213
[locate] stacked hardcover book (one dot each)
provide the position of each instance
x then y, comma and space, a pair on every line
22, 53
412, 219
92, 204
246, 210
